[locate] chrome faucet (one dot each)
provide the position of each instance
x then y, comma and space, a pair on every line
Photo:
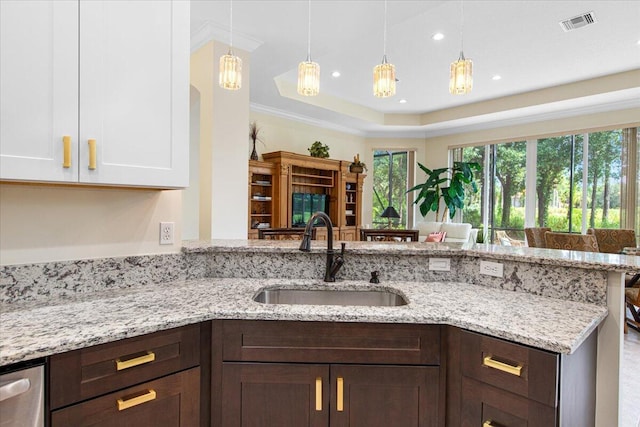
334, 262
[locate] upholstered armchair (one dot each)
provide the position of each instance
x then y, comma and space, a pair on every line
613, 240
571, 242
535, 236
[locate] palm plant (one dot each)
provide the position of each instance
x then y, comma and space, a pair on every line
450, 188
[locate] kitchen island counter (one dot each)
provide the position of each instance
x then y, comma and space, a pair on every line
37, 329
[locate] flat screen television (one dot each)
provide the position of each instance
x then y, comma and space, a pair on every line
303, 205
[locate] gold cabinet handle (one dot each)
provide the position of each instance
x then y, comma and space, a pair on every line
318, 394
490, 362
149, 357
66, 151
92, 154
488, 423
135, 401
340, 395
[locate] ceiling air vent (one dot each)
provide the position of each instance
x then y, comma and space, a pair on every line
578, 21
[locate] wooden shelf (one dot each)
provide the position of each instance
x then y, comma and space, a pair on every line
307, 184
261, 181
306, 175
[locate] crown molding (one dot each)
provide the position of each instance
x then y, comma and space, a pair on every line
208, 31
264, 109
453, 127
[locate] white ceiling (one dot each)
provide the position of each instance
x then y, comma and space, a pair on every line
520, 40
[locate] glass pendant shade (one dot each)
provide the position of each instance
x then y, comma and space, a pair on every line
230, 71
461, 76
384, 79
308, 78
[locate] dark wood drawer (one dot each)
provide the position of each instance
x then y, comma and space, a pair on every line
485, 405
82, 374
324, 342
170, 401
517, 368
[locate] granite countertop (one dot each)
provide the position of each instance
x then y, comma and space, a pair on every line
541, 256
33, 330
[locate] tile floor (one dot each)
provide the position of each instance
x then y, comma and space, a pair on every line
630, 413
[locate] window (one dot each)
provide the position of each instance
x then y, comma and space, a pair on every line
390, 183
579, 183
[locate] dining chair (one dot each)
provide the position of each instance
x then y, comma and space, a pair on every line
613, 240
571, 242
535, 236
632, 301
284, 233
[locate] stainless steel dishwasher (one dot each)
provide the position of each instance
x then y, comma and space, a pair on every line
22, 396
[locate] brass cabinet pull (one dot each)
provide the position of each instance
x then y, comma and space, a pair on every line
66, 151
318, 394
135, 401
149, 357
340, 395
92, 154
501, 366
488, 423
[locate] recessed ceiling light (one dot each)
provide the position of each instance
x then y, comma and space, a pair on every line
336, 74
437, 36
638, 42
403, 101
496, 77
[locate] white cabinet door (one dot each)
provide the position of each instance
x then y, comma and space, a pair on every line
38, 89
134, 89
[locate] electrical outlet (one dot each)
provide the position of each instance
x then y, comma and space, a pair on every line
439, 264
166, 233
495, 269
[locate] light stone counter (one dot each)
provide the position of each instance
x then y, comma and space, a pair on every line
540, 256
38, 329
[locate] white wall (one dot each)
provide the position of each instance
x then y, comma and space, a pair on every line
41, 223
191, 195
280, 134
224, 129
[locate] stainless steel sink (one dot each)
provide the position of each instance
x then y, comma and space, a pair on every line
371, 298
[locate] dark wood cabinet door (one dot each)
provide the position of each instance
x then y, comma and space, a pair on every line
171, 401
383, 396
485, 405
275, 395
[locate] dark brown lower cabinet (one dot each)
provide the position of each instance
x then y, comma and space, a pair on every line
383, 396
492, 382
277, 395
297, 374
266, 394
488, 406
171, 401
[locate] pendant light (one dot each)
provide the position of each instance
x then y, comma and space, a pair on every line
461, 74
230, 65
309, 71
384, 74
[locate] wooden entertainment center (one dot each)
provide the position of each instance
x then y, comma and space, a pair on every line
273, 182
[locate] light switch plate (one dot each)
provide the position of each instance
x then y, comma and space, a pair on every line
440, 264
488, 268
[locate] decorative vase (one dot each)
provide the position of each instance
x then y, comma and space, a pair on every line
254, 153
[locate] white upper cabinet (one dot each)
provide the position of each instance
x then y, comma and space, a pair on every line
129, 99
38, 89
